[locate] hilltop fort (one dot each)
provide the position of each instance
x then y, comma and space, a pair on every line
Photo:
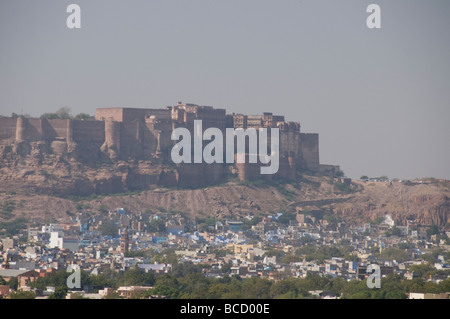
137, 142
51, 168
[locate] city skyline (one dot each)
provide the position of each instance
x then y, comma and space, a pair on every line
377, 98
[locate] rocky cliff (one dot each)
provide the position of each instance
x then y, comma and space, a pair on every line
43, 186
41, 168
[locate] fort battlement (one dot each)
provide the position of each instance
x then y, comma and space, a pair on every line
145, 134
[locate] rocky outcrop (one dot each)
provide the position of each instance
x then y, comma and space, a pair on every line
401, 202
431, 209
45, 169
57, 168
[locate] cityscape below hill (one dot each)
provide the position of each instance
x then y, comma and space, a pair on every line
138, 229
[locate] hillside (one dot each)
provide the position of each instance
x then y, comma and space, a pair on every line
29, 195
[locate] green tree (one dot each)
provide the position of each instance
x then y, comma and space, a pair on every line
422, 270
285, 289
20, 294
289, 258
13, 283
432, 256
108, 278
256, 288
103, 209
61, 113
131, 277
433, 230
64, 112
166, 285
395, 294
339, 173
195, 286
226, 267
394, 231
314, 282
168, 256
394, 254
180, 270
286, 217
274, 252
79, 207
377, 220
84, 116
391, 287
223, 290
13, 227
60, 293
109, 228
112, 295
157, 225
39, 283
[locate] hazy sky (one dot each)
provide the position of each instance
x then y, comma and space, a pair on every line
379, 98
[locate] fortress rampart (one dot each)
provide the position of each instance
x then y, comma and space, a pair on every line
124, 134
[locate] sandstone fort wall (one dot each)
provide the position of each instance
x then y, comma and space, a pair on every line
7, 128
88, 131
310, 150
145, 134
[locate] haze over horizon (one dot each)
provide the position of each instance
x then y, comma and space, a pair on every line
379, 99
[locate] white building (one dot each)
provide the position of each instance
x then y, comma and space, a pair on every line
389, 221
53, 228
59, 241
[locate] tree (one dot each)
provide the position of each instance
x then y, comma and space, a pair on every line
157, 225
80, 207
286, 217
20, 294
284, 289
273, 252
134, 277
394, 254
13, 283
64, 113
377, 220
109, 228
60, 293
287, 259
102, 209
112, 295
305, 239
61, 113
226, 267
422, 270
433, 230
180, 270
108, 278
195, 286
256, 288
14, 226
219, 290
394, 231
432, 256
84, 116
39, 283
339, 173
166, 285
332, 219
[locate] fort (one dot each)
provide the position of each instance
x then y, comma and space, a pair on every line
143, 136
